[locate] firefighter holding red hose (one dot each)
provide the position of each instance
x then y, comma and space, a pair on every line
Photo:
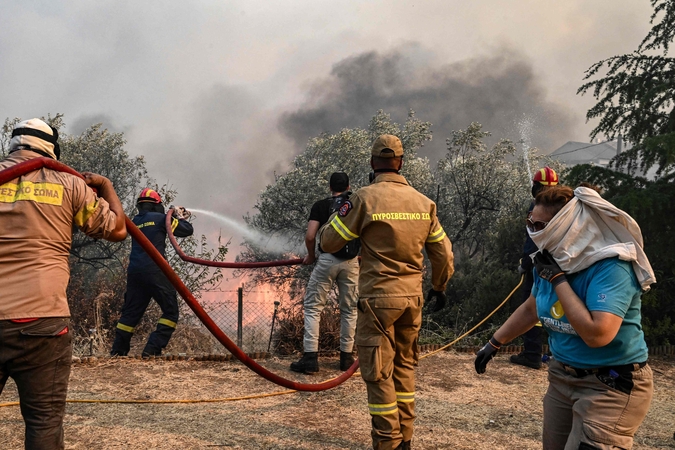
38, 211
146, 281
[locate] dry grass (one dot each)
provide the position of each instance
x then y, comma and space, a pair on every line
457, 408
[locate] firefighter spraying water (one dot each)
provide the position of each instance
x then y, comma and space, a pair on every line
146, 281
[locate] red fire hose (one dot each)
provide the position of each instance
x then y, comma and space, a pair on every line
37, 163
228, 265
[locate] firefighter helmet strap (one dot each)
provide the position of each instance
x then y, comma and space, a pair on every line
52, 139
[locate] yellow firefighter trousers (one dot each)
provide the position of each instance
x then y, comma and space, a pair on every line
386, 336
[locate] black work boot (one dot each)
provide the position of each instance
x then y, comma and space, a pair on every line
346, 360
148, 352
523, 360
309, 363
158, 340
122, 343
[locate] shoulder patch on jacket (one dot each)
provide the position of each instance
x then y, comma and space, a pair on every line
345, 208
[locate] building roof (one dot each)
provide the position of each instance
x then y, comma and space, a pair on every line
573, 153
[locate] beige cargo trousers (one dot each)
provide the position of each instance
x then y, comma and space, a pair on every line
329, 270
387, 330
583, 412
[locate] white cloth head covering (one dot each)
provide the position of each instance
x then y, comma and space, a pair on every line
588, 229
33, 142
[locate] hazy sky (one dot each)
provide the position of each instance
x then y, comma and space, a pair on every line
218, 95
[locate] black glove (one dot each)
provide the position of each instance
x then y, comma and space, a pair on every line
440, 299
179, 212
521, 270
486, 353
548, 269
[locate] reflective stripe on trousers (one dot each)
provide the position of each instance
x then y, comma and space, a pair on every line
386, 338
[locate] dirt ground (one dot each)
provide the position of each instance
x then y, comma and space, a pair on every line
457, 409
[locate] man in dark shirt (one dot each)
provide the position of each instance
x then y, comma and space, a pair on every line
145, 280
341, 267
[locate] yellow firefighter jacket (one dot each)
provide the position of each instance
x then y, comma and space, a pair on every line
394, 222
37, 214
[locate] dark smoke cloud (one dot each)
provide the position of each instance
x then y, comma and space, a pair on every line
222, 154
499, 91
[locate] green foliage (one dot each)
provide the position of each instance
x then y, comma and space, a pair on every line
283, 207
658, 310
663, 32
652, 205
476, 289
636, 97
480, 284
477, 189
483, 198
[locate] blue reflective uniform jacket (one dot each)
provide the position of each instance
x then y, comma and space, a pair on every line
153, 226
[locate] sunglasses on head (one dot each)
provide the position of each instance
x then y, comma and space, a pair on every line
534, 226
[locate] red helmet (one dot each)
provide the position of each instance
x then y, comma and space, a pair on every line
546, 177
148, 195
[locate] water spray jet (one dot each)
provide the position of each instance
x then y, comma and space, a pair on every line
266, 242
525, 128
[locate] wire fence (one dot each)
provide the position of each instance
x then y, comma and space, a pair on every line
244, 316
251, 319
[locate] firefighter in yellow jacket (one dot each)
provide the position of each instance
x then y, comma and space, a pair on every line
395, 223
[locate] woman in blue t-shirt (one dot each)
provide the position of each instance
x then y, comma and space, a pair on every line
590, 273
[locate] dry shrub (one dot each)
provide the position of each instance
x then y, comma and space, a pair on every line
290, 327
193, 340
94, 319
96, 340
95, 298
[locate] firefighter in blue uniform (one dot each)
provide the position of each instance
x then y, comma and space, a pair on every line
145, 280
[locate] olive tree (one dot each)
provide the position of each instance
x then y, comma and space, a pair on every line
283, 207
482, 196
98, 267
